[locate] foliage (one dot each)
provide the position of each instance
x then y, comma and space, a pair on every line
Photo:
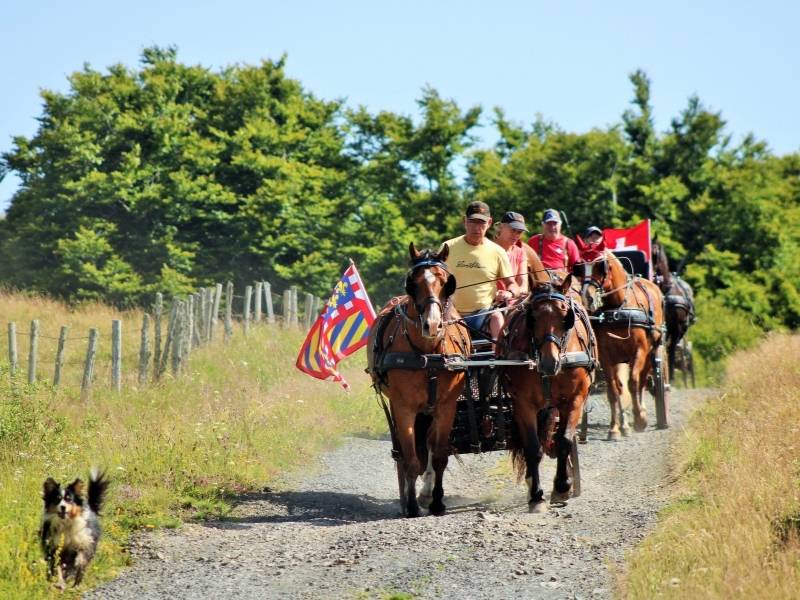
171, 176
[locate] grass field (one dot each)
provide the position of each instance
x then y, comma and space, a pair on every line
175, 450
733, 530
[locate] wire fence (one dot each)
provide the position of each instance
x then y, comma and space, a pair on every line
168, 333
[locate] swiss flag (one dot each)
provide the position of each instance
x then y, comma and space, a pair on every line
633, 238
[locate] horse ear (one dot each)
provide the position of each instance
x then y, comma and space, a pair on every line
569, 319
444, 253
603, 267
412, 251
450, 286
411, 289
566, 284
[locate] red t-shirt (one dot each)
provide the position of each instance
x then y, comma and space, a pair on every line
560, 253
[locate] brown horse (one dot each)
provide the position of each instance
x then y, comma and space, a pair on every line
628, 319
552, 328
422, 398
678, 305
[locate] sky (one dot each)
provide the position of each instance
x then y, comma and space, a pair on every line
567, 61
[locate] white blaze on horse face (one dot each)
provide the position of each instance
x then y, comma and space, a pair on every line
433, 312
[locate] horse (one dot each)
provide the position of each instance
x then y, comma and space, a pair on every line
422, 399
551, 327
628, 320
679, 305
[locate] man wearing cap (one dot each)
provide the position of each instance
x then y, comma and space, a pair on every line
478, 265
512, 224
589, 244
557, 252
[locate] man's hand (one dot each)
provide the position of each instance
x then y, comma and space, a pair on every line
503, 296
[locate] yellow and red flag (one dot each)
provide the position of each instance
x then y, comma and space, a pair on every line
341, 328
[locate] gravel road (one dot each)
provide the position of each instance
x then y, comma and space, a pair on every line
335, 531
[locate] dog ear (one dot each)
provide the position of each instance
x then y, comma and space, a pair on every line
49, 488
77, 487
569, 319
411, 289
450, 286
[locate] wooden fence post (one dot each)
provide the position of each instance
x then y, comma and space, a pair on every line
309, 311
177, 337
157, 309
88, 368
215, 308
144, 350
196, 337
190, 323
209, 312
116, 354
295, 313
257, 305
228, 311
286, 305
34, 349
202, 318
248, 296
12, 348
268, 298
62, 342
169, 343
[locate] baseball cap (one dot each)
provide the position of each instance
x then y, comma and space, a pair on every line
514, 220
551, 214
478, 210
590, 230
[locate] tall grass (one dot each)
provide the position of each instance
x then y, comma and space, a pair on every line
734, 529
176, 450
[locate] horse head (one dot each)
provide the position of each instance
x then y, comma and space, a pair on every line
550, 316
661, 267
429, 285
600, 277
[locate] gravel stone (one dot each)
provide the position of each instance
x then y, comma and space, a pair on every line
335, 531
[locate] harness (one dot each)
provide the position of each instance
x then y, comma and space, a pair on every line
563, 248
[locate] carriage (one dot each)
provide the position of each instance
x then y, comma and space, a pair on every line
450, 393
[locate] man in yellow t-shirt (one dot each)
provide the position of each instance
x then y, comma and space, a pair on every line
477, 264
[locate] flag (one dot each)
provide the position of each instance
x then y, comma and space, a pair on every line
633, 238
341, 328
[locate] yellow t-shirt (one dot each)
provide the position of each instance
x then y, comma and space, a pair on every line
480, 265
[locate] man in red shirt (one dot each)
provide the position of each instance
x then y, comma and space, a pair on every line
557, 252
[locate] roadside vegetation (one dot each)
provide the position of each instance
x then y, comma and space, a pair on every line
176, 450
733, 530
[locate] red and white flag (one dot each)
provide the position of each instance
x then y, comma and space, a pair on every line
633, 238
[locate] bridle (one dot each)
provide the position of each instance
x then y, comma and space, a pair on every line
427, 262
559, 342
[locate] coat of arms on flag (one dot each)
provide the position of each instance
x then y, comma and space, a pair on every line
341, 328
632, 238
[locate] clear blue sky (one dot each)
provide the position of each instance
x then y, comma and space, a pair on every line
567, 60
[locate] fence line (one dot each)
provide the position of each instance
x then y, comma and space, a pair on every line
190, 323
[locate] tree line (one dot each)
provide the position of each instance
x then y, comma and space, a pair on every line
169, 176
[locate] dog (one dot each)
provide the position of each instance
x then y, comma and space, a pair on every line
71, 526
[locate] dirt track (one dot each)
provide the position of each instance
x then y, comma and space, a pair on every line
336, 532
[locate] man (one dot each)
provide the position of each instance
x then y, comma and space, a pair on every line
557, 252
589, 245
478, 264
512, 224
592, 235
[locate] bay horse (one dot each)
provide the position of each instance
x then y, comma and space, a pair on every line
678, 305
422, 399
551, 327
628, 320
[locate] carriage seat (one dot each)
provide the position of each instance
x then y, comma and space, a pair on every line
634, 261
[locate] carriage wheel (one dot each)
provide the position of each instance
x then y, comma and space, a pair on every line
575, 465
660, 391
584, 431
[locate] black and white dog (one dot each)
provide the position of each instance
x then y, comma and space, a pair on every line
71, 526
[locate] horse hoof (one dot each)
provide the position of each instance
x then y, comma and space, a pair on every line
640, 424
614, 436
582, 439
537, 507
559, 497
424, 501
437, 509
626, 431
411, 512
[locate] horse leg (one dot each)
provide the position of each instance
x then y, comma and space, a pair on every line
406, 438
636, 382
439, 449
614, 393
562, 484
527, 423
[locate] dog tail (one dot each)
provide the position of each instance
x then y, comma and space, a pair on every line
98, 485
